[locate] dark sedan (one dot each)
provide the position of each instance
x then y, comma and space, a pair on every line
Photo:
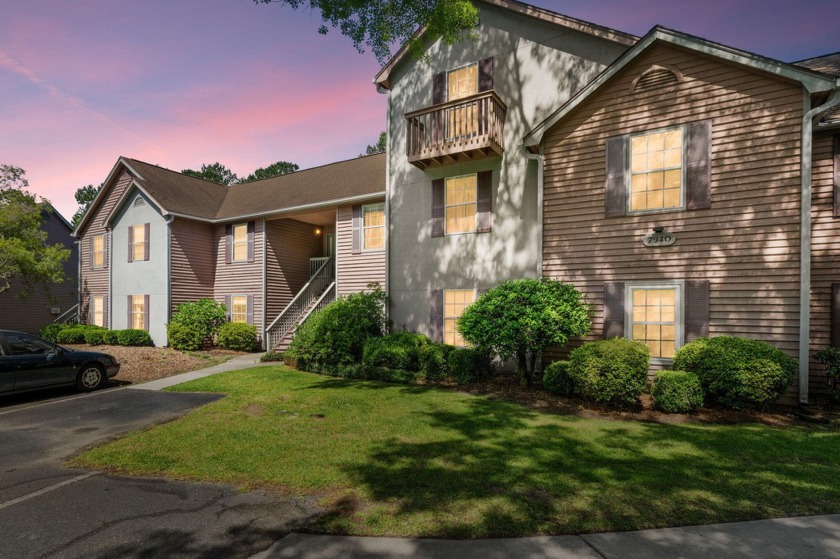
28, 362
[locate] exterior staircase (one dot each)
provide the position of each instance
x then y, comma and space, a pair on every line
318, 292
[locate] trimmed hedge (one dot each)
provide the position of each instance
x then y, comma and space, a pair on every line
468, 365
134, 338
95, 337
398, 350
111, 337
195, 319
557, 380
434, 361
610, 372
74, 333
185, 337
272, 356
737, 372
237, 336
677, 392
50, 331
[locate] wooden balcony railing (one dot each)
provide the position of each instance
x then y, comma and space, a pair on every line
463, 130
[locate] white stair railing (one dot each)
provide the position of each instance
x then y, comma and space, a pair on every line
320, 281
70, 316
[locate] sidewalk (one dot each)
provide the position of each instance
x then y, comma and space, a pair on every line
808, 537
241, 362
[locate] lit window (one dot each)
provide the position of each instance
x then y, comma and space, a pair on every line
655, 318
240, 242
373, 227
138, 247
461, 83
461, 196
99, 251
454, 303
239, 308
138, 312
97, 311
656, 170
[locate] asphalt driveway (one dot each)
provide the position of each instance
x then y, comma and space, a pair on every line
47, 510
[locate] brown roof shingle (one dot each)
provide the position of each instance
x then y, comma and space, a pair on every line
827, 64
179, 193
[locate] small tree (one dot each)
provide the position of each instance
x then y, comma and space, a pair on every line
519, 318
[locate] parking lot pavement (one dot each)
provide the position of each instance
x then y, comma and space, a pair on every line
47, 510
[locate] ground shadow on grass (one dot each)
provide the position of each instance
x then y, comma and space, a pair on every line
508, 470
332, 383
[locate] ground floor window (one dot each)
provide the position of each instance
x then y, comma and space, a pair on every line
454, 303
97, 310
138, 312
239, 308
654, 317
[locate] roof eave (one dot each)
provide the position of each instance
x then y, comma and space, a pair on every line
121, 161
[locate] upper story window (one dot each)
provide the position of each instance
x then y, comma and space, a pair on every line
654, 317
239, 242
656, 170
98, 251
239, 308
461, 204
462, 82
454, 303
463, 119
138, 242
373, 227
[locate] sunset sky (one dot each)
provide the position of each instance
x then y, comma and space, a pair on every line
184, 82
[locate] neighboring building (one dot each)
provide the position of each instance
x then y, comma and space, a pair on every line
154, 239
41, 308
463, 197
697, 148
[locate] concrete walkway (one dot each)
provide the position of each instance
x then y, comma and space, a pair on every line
240, 362
812, 537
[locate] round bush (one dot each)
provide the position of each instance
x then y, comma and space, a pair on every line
677, 392
204, 316
133, 337
50, 331
398, 350
184, 337
237, 336
434, 365
74, 335
737, 372
111, 337
612, 372
468, 365
95, 337
556, 379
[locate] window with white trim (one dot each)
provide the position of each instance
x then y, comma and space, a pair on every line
373, 227
461, 195
656, 170
98, 256
138, 245
454, 303
239, 308
97, 310
239, 242
138, 312
655, 317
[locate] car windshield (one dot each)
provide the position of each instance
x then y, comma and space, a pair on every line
22, 344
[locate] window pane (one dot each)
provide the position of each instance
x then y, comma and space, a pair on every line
650, 155
673, 139
654, 320
462, 82
137, 312
673, 158
461, 194
454, 303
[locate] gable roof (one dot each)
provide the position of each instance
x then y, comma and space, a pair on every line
194, 198
383, 78
812, 80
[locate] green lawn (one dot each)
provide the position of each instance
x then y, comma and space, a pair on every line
412, 461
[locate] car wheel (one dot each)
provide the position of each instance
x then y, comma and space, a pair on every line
90, 377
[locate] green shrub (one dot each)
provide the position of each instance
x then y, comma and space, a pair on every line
50, 331
95, 337
398, 350
203, 317
830, 358
133, 337
366, 372
335, 336
434, 361
611, 372
677, 392
111, 337
737, 372
468, 365
271, 356
74, 335
237, 336
184, 337
557, 380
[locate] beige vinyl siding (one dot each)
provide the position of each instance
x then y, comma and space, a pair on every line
825, 256
192, 264
289, 246
746, 245
96, 281
356, 271
240, 278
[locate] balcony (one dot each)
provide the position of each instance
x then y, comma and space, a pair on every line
467, 129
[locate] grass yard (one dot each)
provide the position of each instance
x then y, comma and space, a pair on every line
413, 461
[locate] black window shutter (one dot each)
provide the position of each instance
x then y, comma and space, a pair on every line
438, 208
249, 306
837, 175
436, 316
357, 229
835, 314
251, 227
146, 313
228, 241
614, 309
228, 312
696, 309
131, 244
484, 209
615, 192
146, 228
439, 88
699, 166
485, 74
